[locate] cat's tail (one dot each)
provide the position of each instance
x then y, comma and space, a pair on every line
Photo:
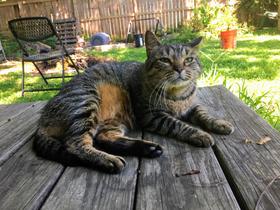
52, 149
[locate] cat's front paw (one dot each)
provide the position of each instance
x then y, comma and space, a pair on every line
222, 127
201, 139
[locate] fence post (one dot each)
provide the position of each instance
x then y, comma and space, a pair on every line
76, 15
16, 10
109, 15
99, 12
135, 9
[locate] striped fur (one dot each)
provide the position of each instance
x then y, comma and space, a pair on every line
86, 123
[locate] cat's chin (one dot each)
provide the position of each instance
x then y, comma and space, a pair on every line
178, 87
179, 83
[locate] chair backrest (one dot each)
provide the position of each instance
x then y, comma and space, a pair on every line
32, 28
67, 31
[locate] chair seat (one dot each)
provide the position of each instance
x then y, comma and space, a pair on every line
30, 32
48, 56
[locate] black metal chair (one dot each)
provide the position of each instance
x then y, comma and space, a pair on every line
67, 30
2, 53
37, 29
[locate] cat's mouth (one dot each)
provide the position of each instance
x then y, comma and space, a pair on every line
179, 83
180, 80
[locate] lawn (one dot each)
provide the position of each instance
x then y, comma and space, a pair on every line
251, 71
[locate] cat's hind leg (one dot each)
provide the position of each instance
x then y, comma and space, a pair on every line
47, 146
82, 147
112, 139
75, 150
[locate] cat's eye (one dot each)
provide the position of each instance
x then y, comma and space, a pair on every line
165, 60
188, 60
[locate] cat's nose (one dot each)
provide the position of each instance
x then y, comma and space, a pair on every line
183, 75
178, 69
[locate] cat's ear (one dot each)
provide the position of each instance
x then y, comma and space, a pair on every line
151, 42
196, 43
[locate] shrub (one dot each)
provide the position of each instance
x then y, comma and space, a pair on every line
212, 18
250, 11
183, 35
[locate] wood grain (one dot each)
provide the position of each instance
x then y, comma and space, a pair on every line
18, 130
3, 106
11, 111
26, 180
249, 167
29, 182
81, 188
163, 185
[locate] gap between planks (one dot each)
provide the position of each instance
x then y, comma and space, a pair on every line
18, 131
248, 167
95, 190
160, 187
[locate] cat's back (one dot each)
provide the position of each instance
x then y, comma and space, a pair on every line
84, 89
114, 72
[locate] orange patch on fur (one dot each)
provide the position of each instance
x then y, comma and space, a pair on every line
87, 139
110, 135
115, 104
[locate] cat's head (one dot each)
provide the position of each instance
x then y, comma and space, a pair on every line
176, 64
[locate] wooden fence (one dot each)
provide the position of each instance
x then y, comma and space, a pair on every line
110, 16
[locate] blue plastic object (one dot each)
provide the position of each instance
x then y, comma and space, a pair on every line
100, 38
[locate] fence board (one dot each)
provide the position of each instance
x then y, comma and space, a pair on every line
110, 16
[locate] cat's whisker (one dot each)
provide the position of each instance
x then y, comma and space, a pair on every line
158, 95
164, 87
161, 94
165, 97
155, 90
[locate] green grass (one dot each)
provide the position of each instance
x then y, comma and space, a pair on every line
255, 58
251, 71
10, 85
124, 54
10, 46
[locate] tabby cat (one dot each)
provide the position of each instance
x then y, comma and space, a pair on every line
86, 123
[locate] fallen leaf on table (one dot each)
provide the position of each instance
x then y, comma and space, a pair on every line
192, 172
264, 140
248, 141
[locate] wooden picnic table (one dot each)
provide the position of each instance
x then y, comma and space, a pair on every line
230, 175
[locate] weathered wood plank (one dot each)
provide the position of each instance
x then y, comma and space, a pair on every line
160, 187
11, 111
18, 130
26, 180
81, 188
249, 167
3, 106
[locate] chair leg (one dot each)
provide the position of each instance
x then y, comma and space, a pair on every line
63, 73
76, 67
22, 79
40, 73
